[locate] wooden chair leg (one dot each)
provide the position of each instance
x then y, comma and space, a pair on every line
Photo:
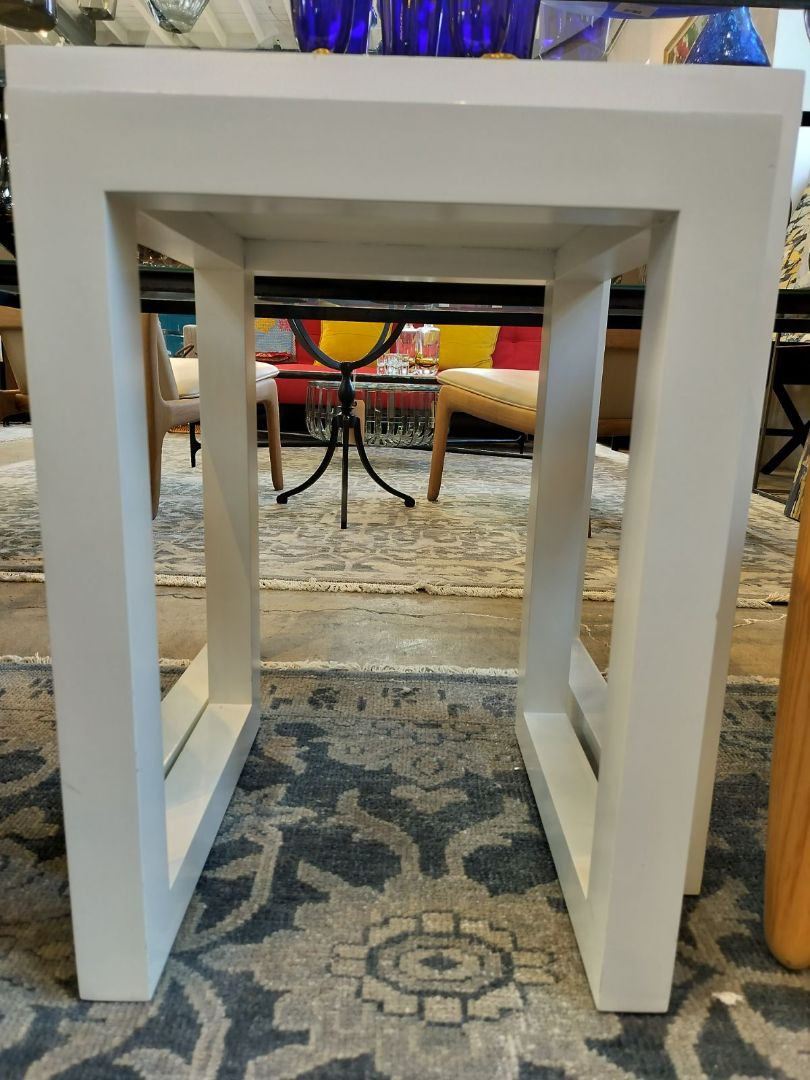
787, 862
360, 413
274, 440
444, 411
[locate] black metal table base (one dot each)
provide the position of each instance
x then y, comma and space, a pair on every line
345, 422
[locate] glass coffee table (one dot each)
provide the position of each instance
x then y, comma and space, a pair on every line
397, 411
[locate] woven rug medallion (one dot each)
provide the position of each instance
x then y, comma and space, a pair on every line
380, 904
471, 542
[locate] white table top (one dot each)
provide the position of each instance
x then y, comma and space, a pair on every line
407, 161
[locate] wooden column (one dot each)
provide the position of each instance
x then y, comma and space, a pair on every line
787, 867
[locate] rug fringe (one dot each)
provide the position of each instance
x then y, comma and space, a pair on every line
394, 669
190, 581
315, 666
304, 666
745, 680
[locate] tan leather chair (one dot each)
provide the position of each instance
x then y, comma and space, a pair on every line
14, 399
172, 392
509, 397
618, 382
173, 399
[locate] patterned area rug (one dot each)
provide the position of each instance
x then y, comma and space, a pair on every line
471, 542
380, 904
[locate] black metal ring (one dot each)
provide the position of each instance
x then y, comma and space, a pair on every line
389, 335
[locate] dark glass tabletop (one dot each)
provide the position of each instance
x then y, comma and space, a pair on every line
170, 290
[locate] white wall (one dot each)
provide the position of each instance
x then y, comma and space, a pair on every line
792, 50
642, 41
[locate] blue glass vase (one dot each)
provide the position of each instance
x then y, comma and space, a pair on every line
445, 46
410, 27
322, 24
358, 39
522, 25
729, 38
479, 26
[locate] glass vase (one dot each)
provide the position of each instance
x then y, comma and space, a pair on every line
479, 26
522, 25
729, 38
176, 16
621, 9
358, 39
445, 46
565, 35
322, 24
410, 27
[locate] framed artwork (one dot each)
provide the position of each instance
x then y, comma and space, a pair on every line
678, 49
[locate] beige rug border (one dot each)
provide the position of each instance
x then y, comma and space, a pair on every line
300, 585
302, 667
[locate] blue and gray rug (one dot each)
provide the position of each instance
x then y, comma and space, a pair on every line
381, 904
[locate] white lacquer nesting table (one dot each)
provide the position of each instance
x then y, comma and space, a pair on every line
558, 173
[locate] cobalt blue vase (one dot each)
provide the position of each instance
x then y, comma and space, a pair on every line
322, 24
410, 27
445, 46
522, 25
479, 26
358, 39
729, 38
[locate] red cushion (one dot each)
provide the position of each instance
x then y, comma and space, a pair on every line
518, 347
313, 328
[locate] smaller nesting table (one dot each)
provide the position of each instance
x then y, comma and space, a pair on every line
398, 413
610, 166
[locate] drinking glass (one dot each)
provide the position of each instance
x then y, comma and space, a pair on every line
479, 26
322, 24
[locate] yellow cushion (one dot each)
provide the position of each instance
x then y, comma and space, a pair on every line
348, 341
466, 346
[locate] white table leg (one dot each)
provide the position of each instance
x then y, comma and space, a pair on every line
227, 357
574, 326
622, 847
201, 782
136, 841
627, 846
83, 338
693, 440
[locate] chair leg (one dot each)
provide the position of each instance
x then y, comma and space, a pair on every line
194, 445
274, 441
155, 464
444, 411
